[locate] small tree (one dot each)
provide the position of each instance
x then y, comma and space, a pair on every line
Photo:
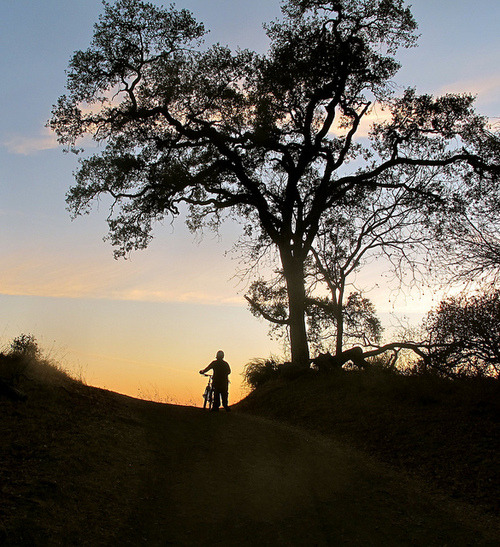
394, 226
330, 326
464, 335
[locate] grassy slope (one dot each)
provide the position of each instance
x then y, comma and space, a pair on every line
446, 432
65, 452
87, 466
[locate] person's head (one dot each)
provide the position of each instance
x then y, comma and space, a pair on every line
220, 355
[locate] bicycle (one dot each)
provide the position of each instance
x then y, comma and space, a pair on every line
208, 395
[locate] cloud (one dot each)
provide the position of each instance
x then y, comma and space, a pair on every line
487, 88
376, 114
179, 295
41, 273
27, 145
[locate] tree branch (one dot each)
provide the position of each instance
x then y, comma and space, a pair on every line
257, 307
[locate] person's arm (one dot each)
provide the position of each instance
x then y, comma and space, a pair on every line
206, 369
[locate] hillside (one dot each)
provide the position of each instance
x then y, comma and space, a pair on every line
446, 432
84, 466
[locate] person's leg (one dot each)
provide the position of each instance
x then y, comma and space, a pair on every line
224, 395
216, 404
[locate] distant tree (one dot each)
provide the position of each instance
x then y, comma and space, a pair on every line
328, 324
464, 335
353, 322
268, 138
388, 225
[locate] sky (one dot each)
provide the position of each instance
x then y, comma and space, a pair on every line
146, 325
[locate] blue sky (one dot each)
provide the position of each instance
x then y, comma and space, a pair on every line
149, 322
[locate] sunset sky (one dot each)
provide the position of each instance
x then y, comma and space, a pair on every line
145, 326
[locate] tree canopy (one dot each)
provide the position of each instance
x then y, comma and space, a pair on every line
271, 138
464, 335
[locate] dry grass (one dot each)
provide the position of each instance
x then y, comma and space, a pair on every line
80, 465
65, 454
447, 432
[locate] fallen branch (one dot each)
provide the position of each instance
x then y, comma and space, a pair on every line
394, 346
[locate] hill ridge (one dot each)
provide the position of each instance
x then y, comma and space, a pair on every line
83, 465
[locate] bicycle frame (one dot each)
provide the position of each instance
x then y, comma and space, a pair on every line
208, 395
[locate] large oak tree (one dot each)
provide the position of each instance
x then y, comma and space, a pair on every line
270, 138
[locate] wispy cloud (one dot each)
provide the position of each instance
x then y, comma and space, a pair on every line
27, 145
46, 139
487, 89
34, 274
147, 294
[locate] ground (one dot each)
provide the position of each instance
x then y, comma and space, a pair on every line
83, 466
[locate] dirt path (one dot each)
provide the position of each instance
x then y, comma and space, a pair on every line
232, 479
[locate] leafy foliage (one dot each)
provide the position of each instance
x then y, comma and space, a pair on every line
26, 361
25, 344
259, 371
14, 364
269, 138
464, 335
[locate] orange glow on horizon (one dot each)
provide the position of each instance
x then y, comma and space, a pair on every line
166, 385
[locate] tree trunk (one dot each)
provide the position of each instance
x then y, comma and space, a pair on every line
293, 270
340, 332
339, 318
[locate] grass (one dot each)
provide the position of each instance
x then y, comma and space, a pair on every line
65, 453
79, 464
446, 432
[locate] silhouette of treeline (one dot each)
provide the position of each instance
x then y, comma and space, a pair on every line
460, 338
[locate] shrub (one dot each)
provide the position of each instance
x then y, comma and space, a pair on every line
260, 371
25, 359
14, 364
25, 344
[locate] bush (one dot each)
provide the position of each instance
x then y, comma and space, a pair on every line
25, 344
14, 364
25, 360
259, 371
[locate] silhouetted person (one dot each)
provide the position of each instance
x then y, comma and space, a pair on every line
220, 380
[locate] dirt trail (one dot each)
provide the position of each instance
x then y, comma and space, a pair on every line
233, 479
